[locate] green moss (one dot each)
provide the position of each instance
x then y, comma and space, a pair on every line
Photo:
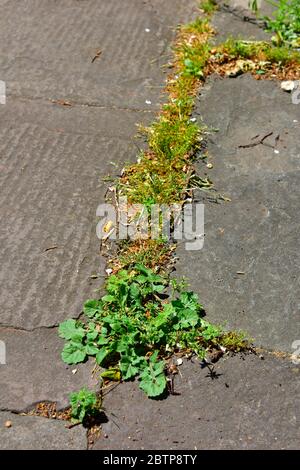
260, 50
208, 6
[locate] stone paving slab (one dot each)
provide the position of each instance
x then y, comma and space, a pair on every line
253, 404
35, 433
34, 371
229, 24
242, 7
53, 160
46, 49
257, 233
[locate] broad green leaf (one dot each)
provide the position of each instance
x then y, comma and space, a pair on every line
73, 353
71, 329
101, 355
102, 340
92, 307
128, 370
92, 333
109, 298
91, 349
153, 380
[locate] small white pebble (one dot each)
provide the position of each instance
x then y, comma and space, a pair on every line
295, 120
8, 424
193, 120
74, 371
288, 85
276, 151
147, 30
148, 102
209, 165
179, 361
108, 271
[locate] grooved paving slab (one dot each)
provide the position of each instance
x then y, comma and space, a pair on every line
47, 47
257, 233
35, 433
53, 160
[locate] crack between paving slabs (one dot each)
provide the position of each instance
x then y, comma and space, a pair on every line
241, 14
74, 104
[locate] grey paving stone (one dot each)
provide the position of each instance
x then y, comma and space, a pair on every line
253, 404
47, 49
35, 433
53, 161
258, 231
229, 24
34, 371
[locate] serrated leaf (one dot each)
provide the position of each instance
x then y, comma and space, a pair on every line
134, 291
92, 307
83, 403
91, 349
187, 318
73, 353
71, 329
109, 298
92, 335
102, 340
152, 385
101, 355
128, 370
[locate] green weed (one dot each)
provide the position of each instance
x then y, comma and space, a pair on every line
136, 325
285, 21
208, 6
84, 404
258, 51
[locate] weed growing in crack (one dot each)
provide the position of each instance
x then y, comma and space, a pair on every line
85, 405
136, 326
208, 6
285, 21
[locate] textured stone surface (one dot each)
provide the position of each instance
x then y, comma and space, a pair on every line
257, 233
35, 433
53, 161
253, 404
53, 158
34, 371
47, 49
